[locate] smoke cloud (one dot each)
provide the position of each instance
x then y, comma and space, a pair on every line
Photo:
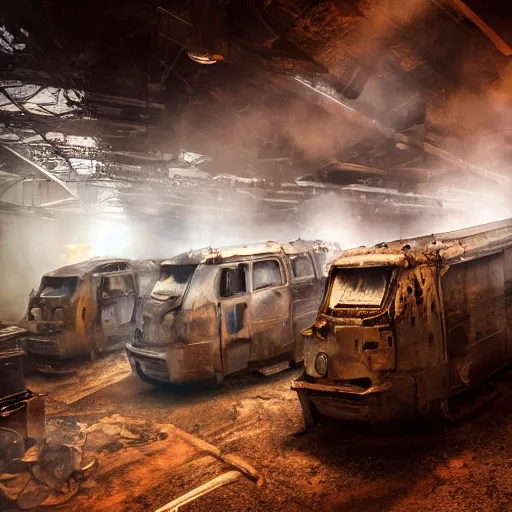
29, 247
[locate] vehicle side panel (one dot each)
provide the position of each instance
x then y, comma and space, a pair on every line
474, 299
306, 297
193, 349
271, 322
507, 267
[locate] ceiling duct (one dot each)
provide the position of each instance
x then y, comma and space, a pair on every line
209, 40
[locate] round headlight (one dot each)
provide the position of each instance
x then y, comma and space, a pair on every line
321, 364
168, 321
137, 338
36, 313
204, 57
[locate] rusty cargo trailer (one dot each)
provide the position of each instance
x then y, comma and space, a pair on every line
406, 327
216, 312
86, 308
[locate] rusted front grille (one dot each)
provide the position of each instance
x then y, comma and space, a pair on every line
153, 368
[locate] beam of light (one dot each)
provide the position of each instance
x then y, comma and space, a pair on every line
329, 97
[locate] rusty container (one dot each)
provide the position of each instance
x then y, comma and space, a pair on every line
25, 413
12, 378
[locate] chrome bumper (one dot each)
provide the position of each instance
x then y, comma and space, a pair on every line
151, 363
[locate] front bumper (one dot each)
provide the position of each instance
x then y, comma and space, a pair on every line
343, 402
43, 345
179, 364
151, 363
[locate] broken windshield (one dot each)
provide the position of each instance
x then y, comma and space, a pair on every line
359, 287
58, 286
173, 281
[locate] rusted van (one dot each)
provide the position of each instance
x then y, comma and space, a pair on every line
216, 312
87, 308
406, 327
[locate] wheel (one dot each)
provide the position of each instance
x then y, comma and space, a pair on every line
93, 354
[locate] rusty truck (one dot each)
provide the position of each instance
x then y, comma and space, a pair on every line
215, 312
406, 327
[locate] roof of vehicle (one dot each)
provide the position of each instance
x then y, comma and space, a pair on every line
146, 265
449, 247
214, 255
85, 267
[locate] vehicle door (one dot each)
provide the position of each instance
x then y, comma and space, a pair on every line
271, 322
118, 295
306, 290
235, 336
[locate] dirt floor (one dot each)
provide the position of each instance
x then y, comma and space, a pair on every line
463, 467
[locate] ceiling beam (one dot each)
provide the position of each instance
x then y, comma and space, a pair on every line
489, 32
335, 106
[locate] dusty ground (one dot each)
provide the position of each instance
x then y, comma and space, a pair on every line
466, 467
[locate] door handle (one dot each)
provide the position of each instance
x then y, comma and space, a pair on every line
278, 293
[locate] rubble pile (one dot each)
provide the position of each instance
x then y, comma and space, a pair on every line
50, 471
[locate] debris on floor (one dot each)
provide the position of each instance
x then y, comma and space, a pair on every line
93, 376
108, 464
11, 336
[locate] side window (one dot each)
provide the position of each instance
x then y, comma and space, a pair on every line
111, 267
266, 273
320, 258
302, 267
233, 281
115, 286
129, 283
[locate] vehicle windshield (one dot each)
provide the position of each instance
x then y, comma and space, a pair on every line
173, 281
359, 287
58, 286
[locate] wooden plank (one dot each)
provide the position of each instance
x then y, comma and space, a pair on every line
232, 460
215, 483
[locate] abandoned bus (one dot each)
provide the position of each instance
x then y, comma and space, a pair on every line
216, 312
405, 327
86, 308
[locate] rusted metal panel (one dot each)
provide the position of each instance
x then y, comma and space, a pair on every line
475, 319
235, 334
417, 319
25, 413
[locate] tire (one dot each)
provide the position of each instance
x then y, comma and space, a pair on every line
219, 377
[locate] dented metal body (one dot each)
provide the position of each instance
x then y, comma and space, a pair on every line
217, 312
406, 326
87, 308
